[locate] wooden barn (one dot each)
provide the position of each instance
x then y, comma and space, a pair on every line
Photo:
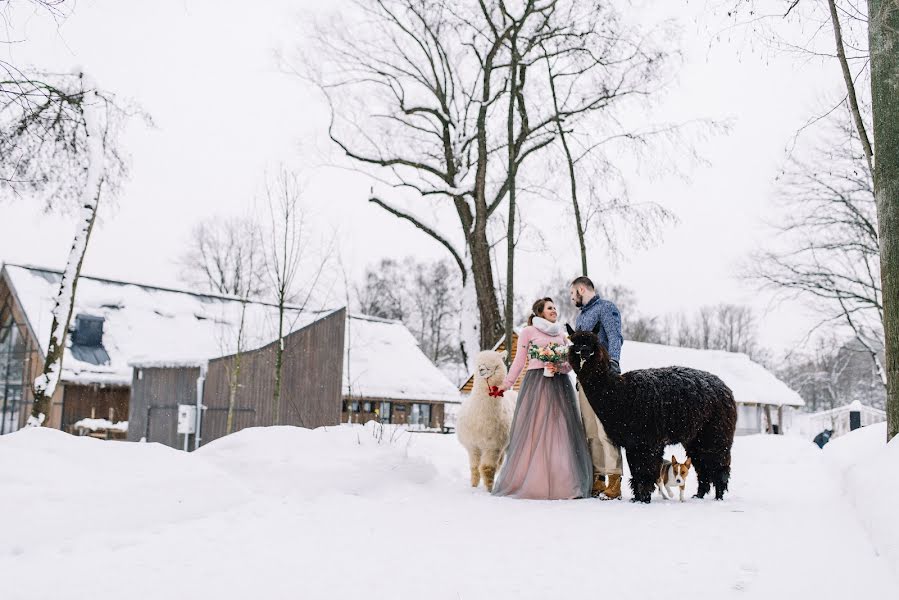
310, 392
359, 366
765, 404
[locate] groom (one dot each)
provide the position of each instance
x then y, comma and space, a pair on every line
606, 455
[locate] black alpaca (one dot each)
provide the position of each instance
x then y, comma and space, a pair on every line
644, 410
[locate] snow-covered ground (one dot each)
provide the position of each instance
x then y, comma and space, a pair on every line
354, 512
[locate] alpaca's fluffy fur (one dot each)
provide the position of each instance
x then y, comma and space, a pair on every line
644, 410
484, 422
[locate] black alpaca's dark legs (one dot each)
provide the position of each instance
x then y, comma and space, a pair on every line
722, 475
703, 465
712, 468
645, 464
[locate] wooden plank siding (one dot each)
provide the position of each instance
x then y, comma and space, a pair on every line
93, 401
153, 407
312, 381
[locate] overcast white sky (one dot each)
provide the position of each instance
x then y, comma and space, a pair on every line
206, 70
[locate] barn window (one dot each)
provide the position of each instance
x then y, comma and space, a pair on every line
12, 371
366, 407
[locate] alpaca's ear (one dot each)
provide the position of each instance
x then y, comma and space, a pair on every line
570, 330
597, 328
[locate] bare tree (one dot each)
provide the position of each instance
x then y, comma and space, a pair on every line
93, 130
836, 372
727, 327
829, 242
583, 135
384, 290
289, 253
58, 143
439, 309
415, 98
44, 144
226, 256
423, 295
877, 50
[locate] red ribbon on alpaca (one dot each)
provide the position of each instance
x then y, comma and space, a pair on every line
496, 392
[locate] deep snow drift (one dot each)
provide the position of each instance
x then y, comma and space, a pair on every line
352, 512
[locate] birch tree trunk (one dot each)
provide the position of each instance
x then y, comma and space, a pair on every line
44, 386
883, 36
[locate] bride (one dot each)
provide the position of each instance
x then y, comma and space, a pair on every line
547, 457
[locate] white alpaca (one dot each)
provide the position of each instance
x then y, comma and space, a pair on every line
484, 421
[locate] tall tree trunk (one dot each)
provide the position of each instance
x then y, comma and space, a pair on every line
491, 323
510, 233
572, 175
850, 84
883, 37
44, 386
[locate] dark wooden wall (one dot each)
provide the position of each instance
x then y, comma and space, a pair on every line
156, 394
311, 386
83, 401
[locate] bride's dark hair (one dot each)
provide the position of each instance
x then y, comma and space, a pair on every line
537, 309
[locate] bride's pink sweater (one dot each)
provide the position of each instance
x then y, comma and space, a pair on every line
531, 335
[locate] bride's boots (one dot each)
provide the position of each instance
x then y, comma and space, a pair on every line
599, 484
613, 489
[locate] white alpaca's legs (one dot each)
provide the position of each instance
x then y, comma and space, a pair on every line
474, 462
489, 462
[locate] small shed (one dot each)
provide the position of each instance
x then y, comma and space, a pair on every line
764, 402
388, 378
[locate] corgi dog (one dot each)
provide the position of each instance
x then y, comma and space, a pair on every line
673, 474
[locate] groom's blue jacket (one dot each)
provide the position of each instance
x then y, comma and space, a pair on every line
605, 312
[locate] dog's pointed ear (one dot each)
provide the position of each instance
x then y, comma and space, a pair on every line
689, 462
569, 329
673, 460
597, 327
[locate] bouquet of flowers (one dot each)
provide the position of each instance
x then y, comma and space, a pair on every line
551, 353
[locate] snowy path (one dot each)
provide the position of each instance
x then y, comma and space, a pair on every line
285, 513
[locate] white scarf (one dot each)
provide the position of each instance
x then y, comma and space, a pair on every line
548, 328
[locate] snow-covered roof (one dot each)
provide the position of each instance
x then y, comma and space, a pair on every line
751, 382
145, 323
385, 361
158, 327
